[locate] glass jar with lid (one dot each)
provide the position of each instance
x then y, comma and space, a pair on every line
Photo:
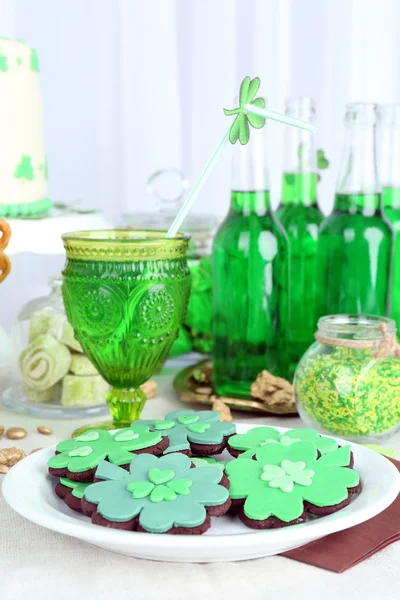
167, 188
347, 382
51, 376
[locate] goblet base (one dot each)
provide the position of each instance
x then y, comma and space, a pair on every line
125, 404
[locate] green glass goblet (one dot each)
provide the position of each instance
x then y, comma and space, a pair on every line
125, 294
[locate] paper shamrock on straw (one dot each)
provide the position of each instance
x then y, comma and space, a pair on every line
240, 127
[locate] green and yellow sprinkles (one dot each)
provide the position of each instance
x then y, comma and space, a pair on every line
350, 392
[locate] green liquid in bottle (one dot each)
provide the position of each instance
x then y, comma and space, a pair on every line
301, 221
391, 208
250, 284
355, 249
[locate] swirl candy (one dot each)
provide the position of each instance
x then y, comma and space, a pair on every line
44, 362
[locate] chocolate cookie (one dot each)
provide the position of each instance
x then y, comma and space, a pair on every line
157, 495
193, 433
77, 458
283, 483
71, 492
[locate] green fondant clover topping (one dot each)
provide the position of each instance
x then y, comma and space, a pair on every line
140, 489
158, 476
199, 427
177, 502
126, 436
89, 436
78, 488
207, 461
180, 486
87, 450
282, 478
285, 476
258, 437
188, 419
83, 451
161, 425
161, 493
185, 426
240, 127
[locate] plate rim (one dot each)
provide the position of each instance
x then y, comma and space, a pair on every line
66, 524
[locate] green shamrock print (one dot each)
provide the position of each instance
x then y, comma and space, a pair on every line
285, 476
185, 426
240, 127
162, 492
282, 478
87, 450
257, 437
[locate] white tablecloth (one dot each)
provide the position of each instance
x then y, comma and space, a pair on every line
37, 564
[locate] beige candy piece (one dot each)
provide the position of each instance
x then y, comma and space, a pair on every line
67, 337
81, 365
44, 321
218, 405
84, 390
44, 362
10, 456
150, 388
52, 394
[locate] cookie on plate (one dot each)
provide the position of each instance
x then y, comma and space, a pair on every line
71, 492
283, 483
193, 433
77, 458
156, 495
247, 444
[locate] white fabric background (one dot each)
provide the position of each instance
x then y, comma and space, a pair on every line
130, 87
133, 86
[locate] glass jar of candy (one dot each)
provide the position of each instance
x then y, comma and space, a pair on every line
52, 377
347, 382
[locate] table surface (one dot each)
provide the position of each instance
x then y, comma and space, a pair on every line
41, 564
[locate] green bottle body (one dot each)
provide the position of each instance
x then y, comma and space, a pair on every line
391, 208
355, 253
301, 221
250, 295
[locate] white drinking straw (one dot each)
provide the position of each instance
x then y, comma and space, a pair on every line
263, 112
275, 116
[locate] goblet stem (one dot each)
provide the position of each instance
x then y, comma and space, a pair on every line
126, 405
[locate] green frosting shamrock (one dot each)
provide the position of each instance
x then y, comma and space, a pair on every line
185, 426
78, 488
87, 450
163, 492
240, 127
260, 436
282, 478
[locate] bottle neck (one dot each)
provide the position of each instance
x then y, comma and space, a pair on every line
389, 154
250, 203
299, 181
250, 164
358, 175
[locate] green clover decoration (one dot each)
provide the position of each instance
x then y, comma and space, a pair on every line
240, 129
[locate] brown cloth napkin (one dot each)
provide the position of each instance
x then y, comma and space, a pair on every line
341, 551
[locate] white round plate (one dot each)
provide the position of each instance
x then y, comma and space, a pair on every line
28, 489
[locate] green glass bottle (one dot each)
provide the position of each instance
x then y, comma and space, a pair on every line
250, 279
389, 167
355, 242
301, 219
